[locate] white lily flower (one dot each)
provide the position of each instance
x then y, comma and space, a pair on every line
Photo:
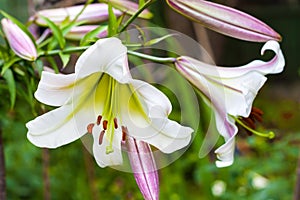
231, 91
101, 98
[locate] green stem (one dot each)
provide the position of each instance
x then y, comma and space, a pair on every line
152, 58
133, 17
269, 135
65, 51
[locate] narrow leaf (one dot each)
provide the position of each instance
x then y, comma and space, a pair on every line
56, 31
91, 35
112, 23
11, 84
65, 58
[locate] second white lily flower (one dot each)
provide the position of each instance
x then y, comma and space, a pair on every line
231, 91
101, 98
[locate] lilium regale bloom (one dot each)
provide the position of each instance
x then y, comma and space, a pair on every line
101, 98
231, 91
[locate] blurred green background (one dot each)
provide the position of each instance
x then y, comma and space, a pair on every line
263, 169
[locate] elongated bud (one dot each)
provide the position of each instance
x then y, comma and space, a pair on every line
78, 32
93, 13
225, 20
19, 41
129, 7
144, 168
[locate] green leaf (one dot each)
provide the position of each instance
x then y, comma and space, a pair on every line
141, 3
56, 31
112, 22
157, 40
20, 25
91, 35
65, 58
8, 64
9, 77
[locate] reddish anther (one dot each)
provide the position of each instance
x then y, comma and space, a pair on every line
257, 110
90, 128
99, 118
124, 133
116, 123
101, 137
105, 124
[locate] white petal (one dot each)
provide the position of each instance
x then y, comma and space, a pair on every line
55, 89
57, 127
106, 55
225, 153
155, 102
271, 67
235, 93
167, 135
69, 122
99, 150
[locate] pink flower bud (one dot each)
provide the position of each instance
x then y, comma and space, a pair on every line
19, 41
144, 168
129, 7
93, 13
225, 20
78, 32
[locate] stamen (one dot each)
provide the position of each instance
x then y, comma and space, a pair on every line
90, 128
124, 133
99, 120
116, 123
256, 116
101, 137
257, 110
269, 135
105, 124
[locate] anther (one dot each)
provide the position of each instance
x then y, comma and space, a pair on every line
104, 123
90, 128
116, 123
257, 110
124, 133
99, 120
101, 137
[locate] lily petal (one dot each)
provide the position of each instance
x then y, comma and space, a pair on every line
106, 55
99, 150
154, 127
55, 128
225, 20
57, 86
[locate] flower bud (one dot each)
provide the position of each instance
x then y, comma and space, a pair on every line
144, 168
19, 41
93, 13
225, 20
129, 7
78, 32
